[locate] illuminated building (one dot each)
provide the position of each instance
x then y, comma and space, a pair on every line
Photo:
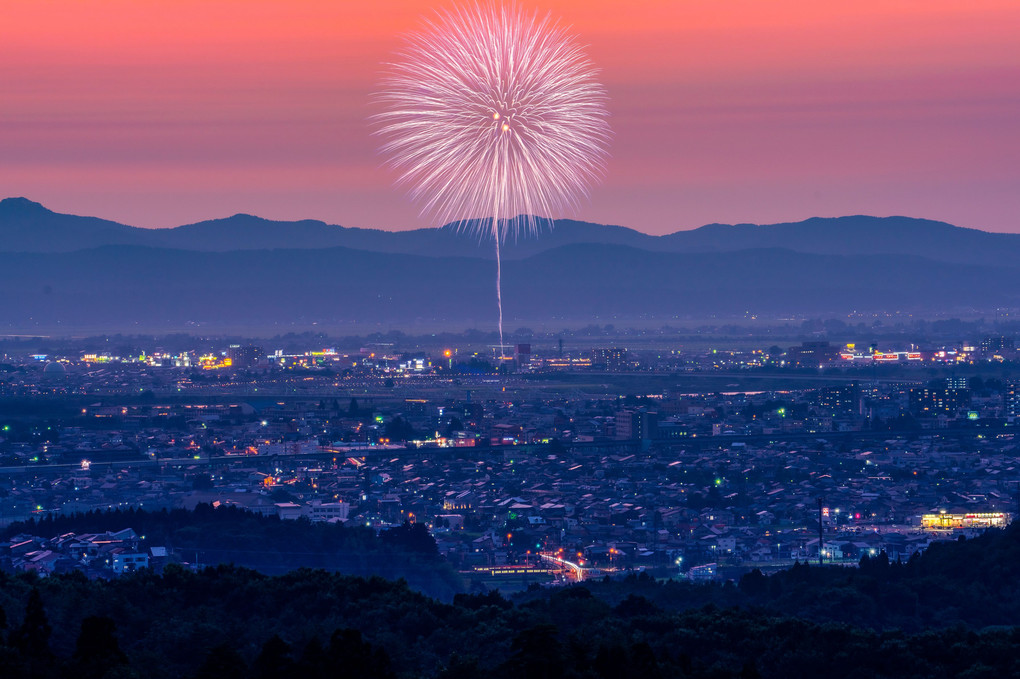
845, 399
54, 371
128, 562
812, 354
997, 345
318, 511
611, 360
464, 500
672, 431
523, 356
214, 362
946, 521
703, 573
956, 383
566, 363
1012, 399
96, 358
634, 425
244, 356
927, 401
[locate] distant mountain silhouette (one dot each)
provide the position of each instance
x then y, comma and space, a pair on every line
856, 235
245, 232
26, 226
130, 286
247, 271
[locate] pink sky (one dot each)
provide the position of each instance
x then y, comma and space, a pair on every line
160, 113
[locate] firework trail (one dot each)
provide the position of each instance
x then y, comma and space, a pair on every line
494, 120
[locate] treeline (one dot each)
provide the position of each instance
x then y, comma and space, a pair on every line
227, 622
950, 612
974, 583
233, 535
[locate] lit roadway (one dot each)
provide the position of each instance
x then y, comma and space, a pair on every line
578, 570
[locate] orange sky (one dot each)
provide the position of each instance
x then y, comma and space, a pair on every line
159, 113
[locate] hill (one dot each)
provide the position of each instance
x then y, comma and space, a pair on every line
856, 235
127, 286
26, 226
74, 272
949, 612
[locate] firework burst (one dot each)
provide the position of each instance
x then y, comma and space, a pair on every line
494, 119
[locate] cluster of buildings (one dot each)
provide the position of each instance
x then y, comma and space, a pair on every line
607, 482
509, 470
95, 554
375, 358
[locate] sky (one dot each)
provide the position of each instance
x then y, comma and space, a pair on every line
160, 113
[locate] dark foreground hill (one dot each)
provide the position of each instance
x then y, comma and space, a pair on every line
956, 609
271, 546
124, 287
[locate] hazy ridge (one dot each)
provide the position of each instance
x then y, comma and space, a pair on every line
26, 226
109, 273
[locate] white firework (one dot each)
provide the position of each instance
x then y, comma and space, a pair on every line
494, 119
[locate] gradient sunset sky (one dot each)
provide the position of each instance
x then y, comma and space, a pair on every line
159, 113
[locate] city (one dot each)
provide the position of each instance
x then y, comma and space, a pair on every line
512, 461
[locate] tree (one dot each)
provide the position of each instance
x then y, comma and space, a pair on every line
273, 661
222, 662
413, 537
478, 601
398, 429
537, 654
31, 641
32, 638
461, 668
96, 651
611, 662
754, 583
354, 658
314, 662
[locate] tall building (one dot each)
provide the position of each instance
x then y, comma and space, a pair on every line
812, 354
1013, 399
929, 401
523, 352
244, 356
609, 359
840, 400
635, 425
997, 345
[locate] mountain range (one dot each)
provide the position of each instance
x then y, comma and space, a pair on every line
71, 270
